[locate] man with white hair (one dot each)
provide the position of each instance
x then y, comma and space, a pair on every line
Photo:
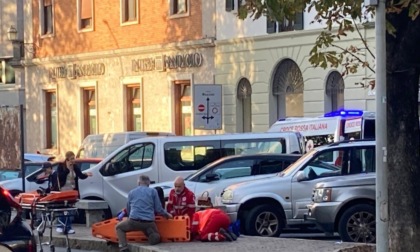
181, 200
142, 204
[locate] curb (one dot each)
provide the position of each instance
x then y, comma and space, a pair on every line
97, 245
359, 248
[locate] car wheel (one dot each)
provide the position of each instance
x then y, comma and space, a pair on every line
264, 220
357, 224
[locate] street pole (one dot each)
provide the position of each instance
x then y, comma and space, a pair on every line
382, 241
22, 146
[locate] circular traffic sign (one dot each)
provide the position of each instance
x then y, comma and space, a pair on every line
201, 107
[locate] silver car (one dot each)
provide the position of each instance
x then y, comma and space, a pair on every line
266, 206
346, 206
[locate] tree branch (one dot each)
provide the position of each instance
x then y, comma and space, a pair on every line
354, 55
363, 40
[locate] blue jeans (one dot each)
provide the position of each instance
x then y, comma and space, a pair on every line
66, 220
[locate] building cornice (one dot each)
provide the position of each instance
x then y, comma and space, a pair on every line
185, 45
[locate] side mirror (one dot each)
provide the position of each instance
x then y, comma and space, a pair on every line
212, 177
301, 176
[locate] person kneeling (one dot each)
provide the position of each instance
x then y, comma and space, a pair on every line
142, 204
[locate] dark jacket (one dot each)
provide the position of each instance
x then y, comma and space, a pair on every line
61, 176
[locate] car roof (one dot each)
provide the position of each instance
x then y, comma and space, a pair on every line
34, 157
348, 143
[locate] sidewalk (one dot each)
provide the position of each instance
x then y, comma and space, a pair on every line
84, 240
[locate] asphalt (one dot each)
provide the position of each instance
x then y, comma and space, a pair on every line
84, 240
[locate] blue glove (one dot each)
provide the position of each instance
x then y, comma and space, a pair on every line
121, 214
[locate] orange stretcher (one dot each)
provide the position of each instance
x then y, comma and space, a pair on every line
170, 230
50, 207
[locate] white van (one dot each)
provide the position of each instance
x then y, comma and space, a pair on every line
101, 145
332, 127
164, 158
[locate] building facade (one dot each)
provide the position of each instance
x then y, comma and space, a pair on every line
266, 74
111, 66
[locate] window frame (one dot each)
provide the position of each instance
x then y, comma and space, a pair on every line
85, 110
123, 19
130, 100
42, 21
172, 9
79, 17
179, 86
4, 68
48, 119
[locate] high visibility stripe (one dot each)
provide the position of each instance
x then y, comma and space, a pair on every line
195, 223
209, 236
216, 236
191, 205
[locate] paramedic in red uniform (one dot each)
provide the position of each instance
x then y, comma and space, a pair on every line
181, 200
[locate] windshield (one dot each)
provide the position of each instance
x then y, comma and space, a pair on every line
301, 160
197, 174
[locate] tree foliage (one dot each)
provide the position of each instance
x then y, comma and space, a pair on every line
340, 17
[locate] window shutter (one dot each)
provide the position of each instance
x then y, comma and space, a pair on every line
299, 21
229, 5
86, 9
271, 26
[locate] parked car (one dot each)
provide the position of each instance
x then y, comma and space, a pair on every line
216, 176
265, 206
9, 174
346, 206
33, 171
15, 235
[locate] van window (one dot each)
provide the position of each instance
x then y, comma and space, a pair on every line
185, 156
254, 146
134, 157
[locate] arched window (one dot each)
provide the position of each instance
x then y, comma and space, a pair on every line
334, 92
288, 89
244, 112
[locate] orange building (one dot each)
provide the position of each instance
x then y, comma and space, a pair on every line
114, 65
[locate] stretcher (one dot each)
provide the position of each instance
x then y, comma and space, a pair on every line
170, 230
49, 207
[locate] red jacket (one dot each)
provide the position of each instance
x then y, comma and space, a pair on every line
181, 204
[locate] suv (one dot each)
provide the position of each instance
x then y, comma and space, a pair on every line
266, 206
346, 206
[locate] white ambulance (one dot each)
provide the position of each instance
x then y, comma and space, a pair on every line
332, 127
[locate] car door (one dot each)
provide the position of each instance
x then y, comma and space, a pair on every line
321, 167
228, 173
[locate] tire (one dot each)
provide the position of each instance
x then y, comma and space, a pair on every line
357, 224
264, 220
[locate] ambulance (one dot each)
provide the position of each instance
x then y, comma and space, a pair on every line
331, 127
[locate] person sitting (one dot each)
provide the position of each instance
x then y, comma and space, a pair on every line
142, 204
181, 200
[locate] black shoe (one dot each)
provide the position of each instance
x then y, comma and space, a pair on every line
226, 234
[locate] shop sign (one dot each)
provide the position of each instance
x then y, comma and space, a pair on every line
73, 71
163, 62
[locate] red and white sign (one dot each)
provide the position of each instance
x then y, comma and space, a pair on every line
353, 125
201, 107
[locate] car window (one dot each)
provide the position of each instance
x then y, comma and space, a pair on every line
86, 165
6, 175
134, 157
268, 166
30, 168
322, 165
231, 169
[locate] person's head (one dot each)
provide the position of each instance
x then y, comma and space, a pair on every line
70, 157
179, 185
47, 168
144, 180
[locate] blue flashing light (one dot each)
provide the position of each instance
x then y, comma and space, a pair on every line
344, 113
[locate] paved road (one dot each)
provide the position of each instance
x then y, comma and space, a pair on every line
59, 249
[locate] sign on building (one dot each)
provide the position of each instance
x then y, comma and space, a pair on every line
207, 106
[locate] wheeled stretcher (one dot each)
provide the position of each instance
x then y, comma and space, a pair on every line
49, 207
